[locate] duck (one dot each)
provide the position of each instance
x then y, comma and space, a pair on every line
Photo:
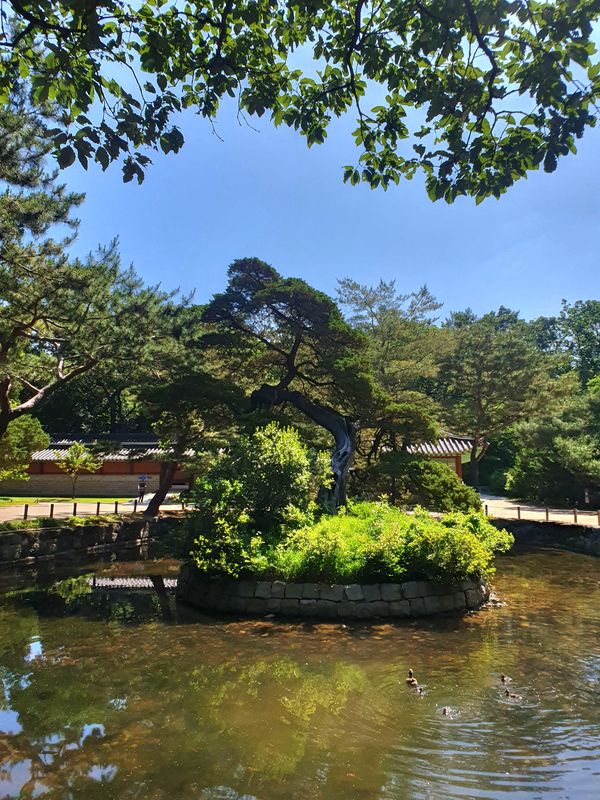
511, 695
505, 678
411, 680
446, 711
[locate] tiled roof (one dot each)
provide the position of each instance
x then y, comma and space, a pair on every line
149, 450
445, 446
118, 451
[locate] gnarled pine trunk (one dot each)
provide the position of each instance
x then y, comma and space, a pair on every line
342, 428
167, 474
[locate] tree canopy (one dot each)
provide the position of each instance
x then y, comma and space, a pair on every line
61, 317
494, 377
300, 341
472, 93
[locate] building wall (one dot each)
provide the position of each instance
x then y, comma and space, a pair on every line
115, 479
454, 462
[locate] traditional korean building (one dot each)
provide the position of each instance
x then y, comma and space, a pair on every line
125, 462
450, 450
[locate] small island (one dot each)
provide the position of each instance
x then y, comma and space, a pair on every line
263, 542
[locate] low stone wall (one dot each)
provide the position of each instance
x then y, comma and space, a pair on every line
38, 544
354, 601
575, 538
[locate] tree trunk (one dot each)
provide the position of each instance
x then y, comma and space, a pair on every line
474, 466
393, 492
342, 428
167, 474
5, 409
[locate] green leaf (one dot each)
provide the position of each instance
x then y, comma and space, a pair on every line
66, 157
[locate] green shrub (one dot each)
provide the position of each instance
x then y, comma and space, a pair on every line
264, 487
428, 483
368, 542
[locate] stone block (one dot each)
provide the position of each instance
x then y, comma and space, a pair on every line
399, 608
459, 601
346, 610
310, 591
334, 592
294, 590
353, 592
245, 588
238, 604
274, 604
371, 592
289, 606
414, 589
263, 589
432, 604
440, 589
391, 591
256, 605
446, 602
308, 607
221, 602
417, 607
379, 608
278, 589
363, 610
326, 608
476, 597
11, 552
468, 585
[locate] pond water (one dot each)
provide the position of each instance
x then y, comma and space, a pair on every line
108, 693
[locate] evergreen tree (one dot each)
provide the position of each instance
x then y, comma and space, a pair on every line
298, 340
494, 377
60, 317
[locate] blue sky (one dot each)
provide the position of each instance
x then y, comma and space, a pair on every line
264, 193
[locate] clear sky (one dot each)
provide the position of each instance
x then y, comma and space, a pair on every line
264, 193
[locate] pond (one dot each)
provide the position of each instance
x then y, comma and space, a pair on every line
120, 693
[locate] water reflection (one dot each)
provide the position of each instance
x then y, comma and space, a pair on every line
122, 694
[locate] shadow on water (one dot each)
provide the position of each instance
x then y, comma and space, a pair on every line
117, 693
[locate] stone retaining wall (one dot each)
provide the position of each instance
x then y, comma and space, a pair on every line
353, 601
576, 538
39, 544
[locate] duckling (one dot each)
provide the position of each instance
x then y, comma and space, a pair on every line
511, 695
505, 678
420, 691
411, 680
446, 711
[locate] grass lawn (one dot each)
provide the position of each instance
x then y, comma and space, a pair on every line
19, 501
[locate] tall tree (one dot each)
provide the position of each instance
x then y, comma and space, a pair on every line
500, 88
557, 457
313, 359
186, 397
404, 350
494, 377
60, 317
100, 402
574, 334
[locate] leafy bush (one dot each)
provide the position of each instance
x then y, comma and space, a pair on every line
369, 542
424, 482
264, 487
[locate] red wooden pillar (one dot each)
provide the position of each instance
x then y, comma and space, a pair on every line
458, 465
